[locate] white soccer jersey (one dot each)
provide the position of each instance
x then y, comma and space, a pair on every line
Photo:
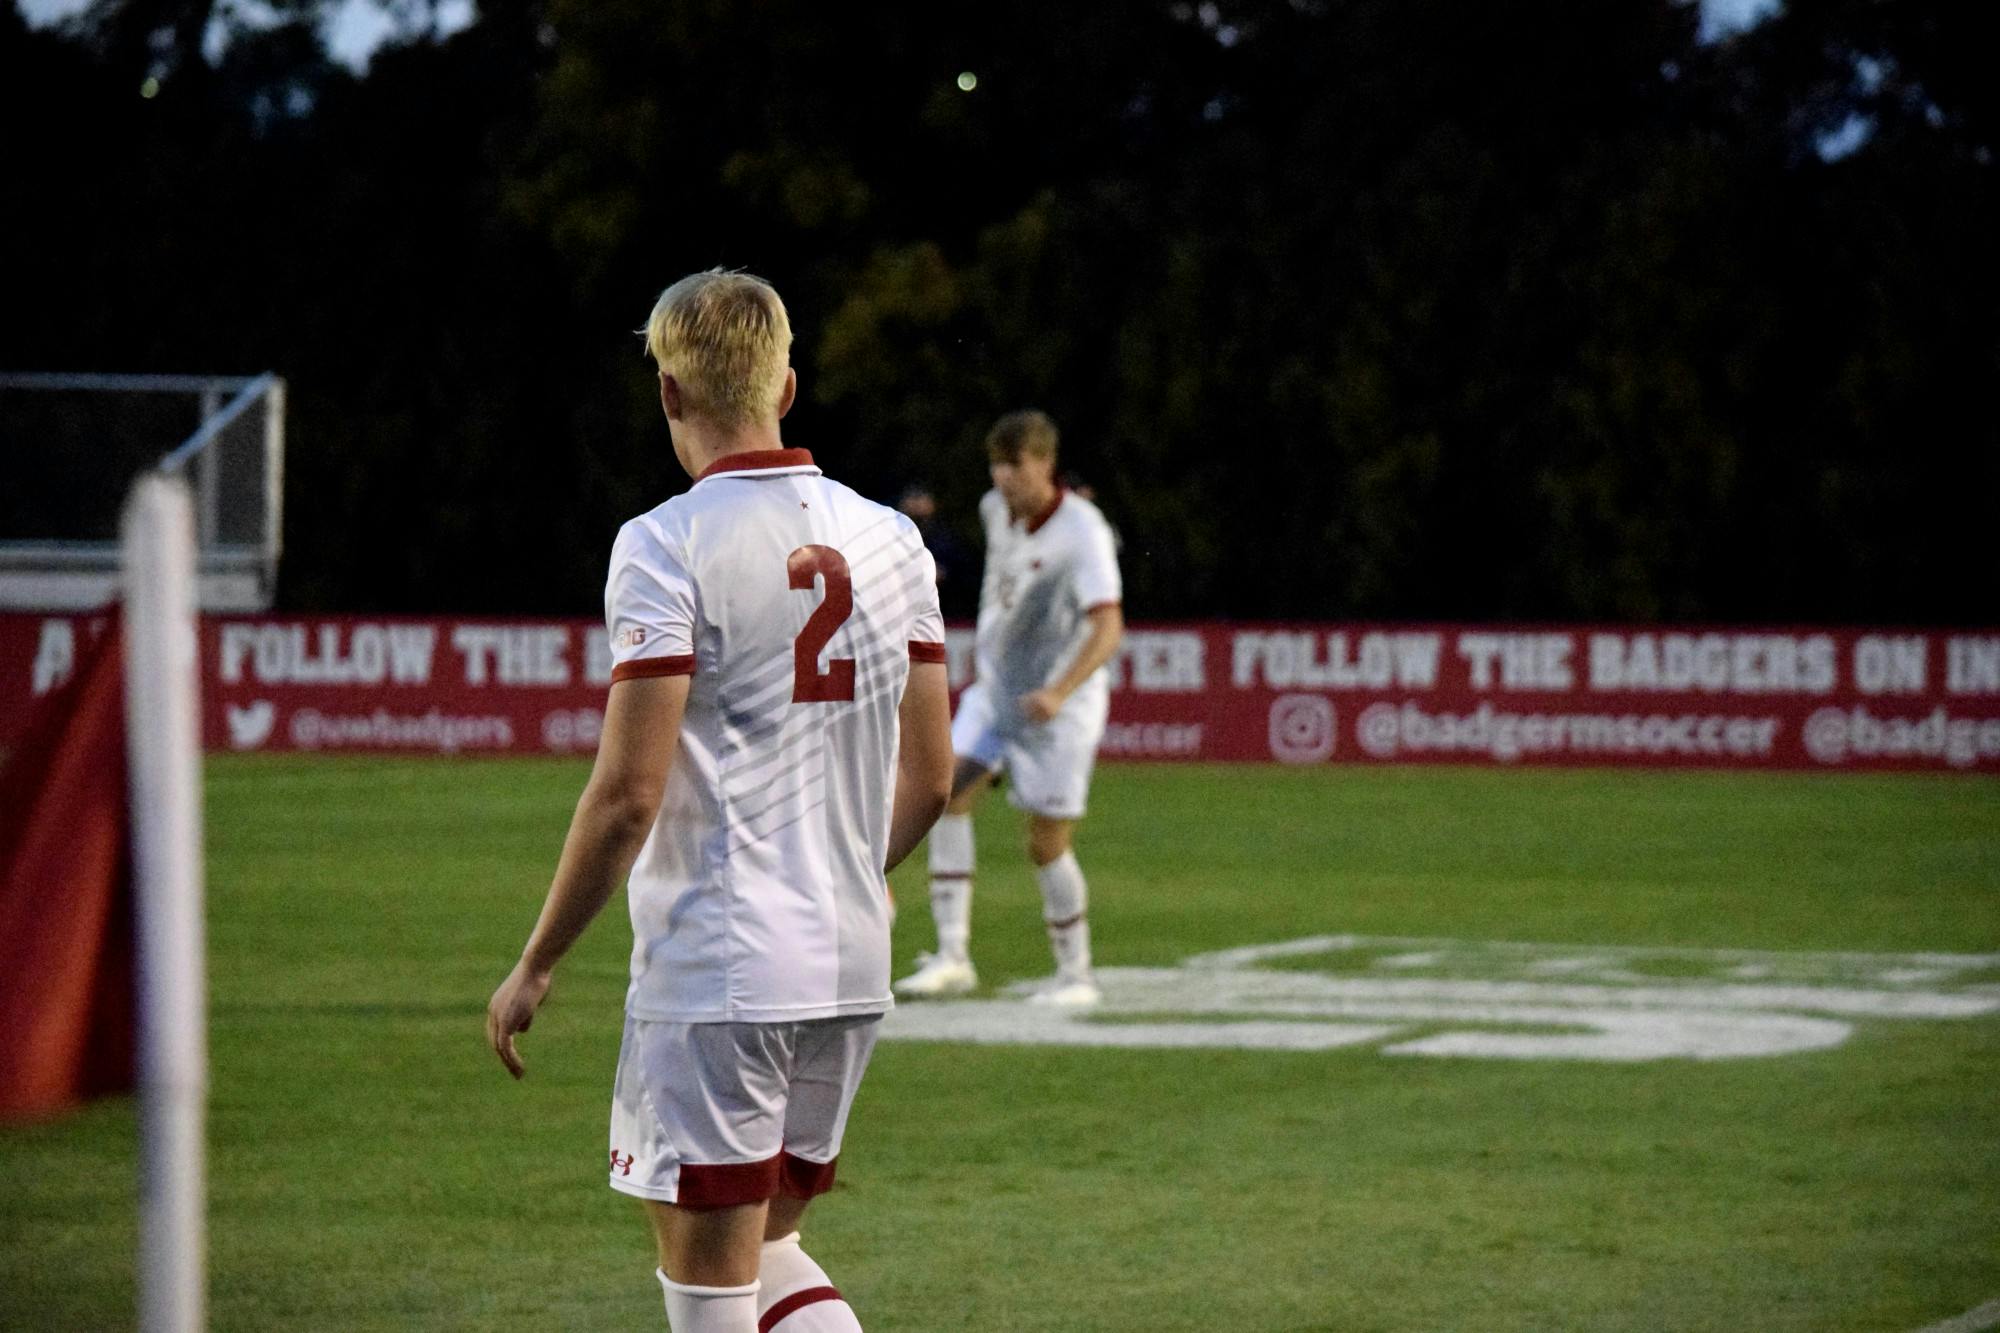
1043, 576
797, 607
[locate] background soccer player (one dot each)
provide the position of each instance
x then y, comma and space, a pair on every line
1049, 619
777, 735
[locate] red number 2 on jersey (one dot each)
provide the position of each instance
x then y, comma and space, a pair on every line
810, 685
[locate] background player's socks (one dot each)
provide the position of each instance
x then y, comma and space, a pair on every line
710, 1309
1064, 901
951, 884
797, 1297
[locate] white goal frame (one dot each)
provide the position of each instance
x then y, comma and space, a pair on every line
63, 575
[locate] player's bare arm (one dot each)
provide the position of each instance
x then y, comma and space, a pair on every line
642, 722
923, 759
1107, 628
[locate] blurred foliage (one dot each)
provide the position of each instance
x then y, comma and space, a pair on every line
1371, 308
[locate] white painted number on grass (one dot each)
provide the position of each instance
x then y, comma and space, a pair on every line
1485, 1000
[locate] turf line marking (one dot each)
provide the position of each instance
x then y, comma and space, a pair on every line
1496, 1001
1972, 1321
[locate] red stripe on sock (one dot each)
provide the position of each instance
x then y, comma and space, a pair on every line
798, 1300
1065, 923
951, 874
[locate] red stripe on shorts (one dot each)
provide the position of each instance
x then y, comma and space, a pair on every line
798, 1300
728, 1184
803, 1179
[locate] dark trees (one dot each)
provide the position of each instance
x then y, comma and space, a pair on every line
1375, 308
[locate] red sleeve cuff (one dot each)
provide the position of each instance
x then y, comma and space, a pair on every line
926, 652
653, 666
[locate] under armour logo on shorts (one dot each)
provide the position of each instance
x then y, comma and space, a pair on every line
623, 1166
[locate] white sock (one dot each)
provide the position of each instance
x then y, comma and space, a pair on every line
799, 1293
709, 1309
1065, 897
951, 884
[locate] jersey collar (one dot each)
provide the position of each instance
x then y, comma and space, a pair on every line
758, 460
1035, 523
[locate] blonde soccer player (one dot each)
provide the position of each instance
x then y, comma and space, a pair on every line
777, 735
1049, 621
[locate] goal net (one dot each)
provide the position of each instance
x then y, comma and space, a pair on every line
70, 446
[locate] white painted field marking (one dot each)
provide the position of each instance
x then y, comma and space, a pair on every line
1484, 1000
1972, 1321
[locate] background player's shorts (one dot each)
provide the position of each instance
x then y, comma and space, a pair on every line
1047, 764
713, 1114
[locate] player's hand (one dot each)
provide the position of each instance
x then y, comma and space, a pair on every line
1041, 705
511, 1010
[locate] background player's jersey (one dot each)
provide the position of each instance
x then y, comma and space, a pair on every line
1042, 577
797, 607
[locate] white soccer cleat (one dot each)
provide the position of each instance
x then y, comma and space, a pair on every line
1067, 993
938, 976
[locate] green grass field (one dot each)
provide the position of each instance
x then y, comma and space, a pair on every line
372, 1167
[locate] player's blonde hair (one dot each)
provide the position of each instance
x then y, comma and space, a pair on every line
1025, 432
725, 338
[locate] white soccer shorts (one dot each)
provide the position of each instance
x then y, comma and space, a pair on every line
1047, 764
712, 1114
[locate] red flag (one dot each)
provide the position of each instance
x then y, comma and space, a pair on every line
66, 985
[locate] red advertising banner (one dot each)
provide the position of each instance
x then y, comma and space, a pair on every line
1790, 698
